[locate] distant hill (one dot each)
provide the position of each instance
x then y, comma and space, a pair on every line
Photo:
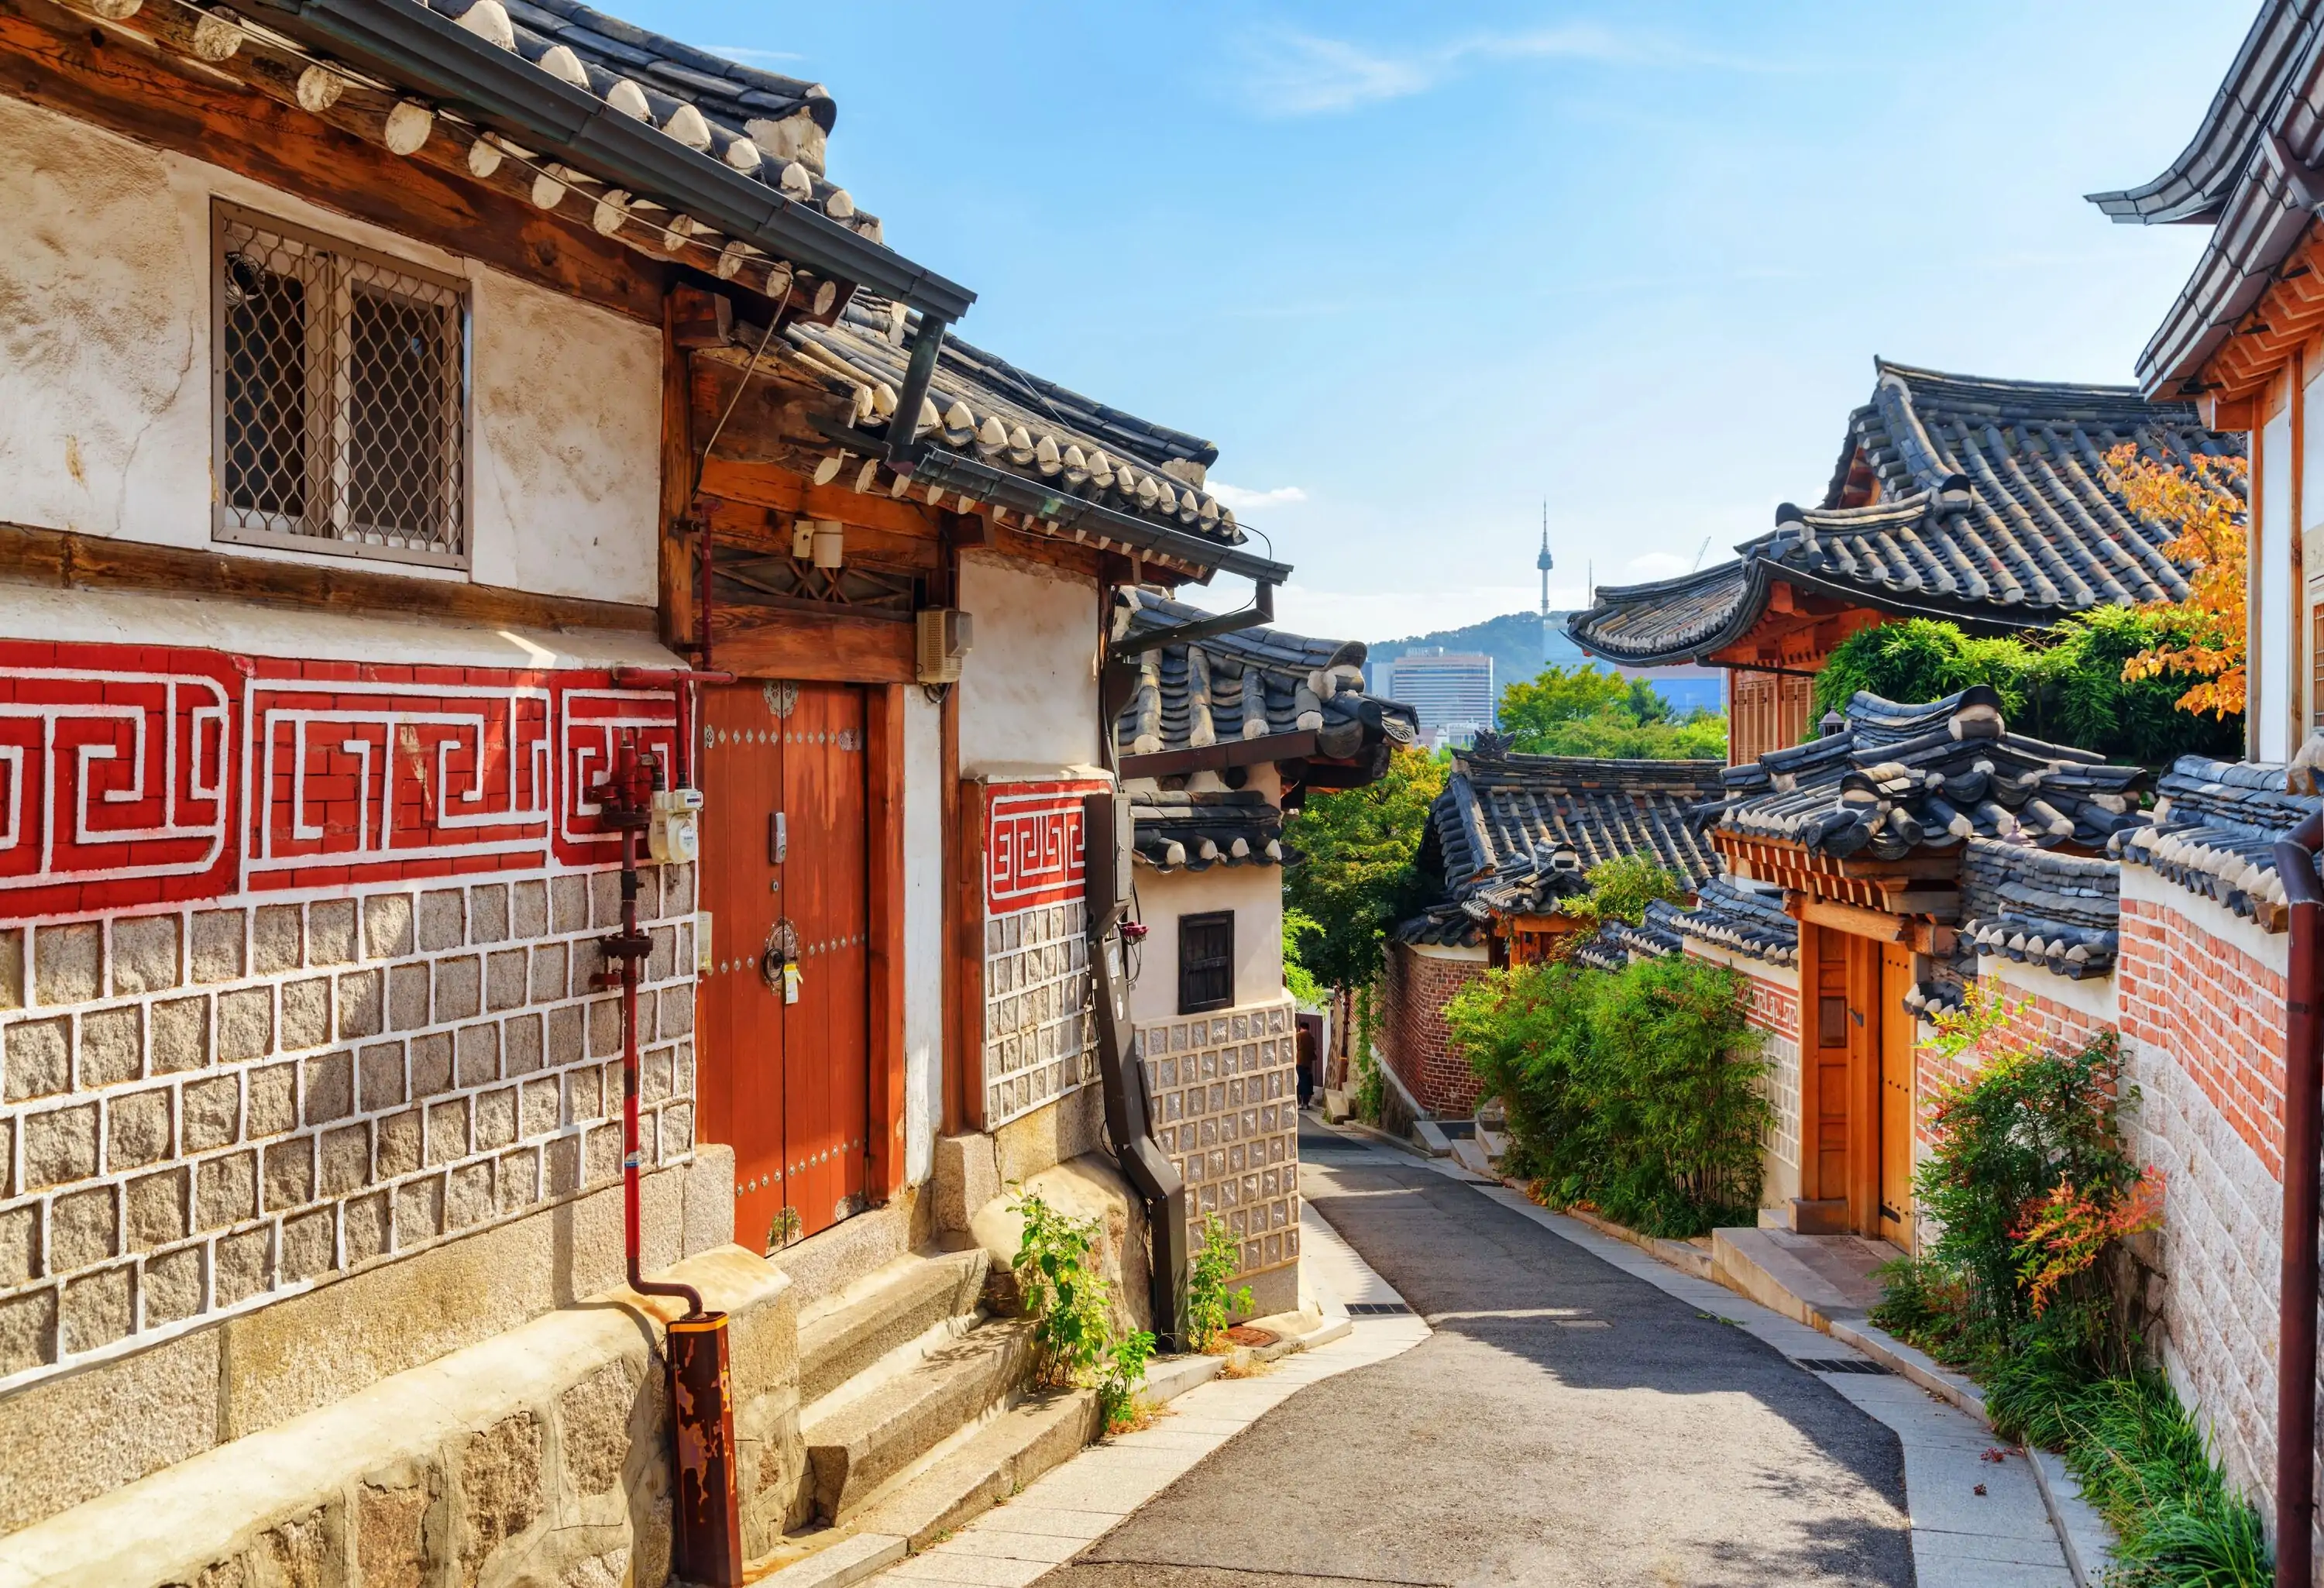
1514, 642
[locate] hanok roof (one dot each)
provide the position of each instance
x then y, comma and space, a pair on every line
2215, 825
1738, 917
1182, 831
1513, 834
719, 163
1904, 777
1618, 943
1982, 501
1250, 684
982, 406
2250, 172
2060, 913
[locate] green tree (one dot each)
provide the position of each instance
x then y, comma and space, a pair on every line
1355, 876
1581, 711
2065, 683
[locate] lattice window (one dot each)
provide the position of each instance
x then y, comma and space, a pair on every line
1205, 961
341, 393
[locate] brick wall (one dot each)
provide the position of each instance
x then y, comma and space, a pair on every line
1226, 1106
2037, 1020
1775, 1009
294, 966
1414, 991
2202, 1013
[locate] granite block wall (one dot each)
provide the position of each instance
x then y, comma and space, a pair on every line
210, 1106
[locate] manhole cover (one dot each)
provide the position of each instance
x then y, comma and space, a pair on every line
1245, 1334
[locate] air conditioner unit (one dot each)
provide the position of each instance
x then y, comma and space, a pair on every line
945, 639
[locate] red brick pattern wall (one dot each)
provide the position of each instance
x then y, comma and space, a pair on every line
296, 964
1775, 1009
2214, 1009
1413, 993
2036, 1022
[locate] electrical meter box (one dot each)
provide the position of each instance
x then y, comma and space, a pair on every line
944, 636
674, 836
1106, 837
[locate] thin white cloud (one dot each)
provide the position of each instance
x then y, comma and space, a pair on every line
1293, 73
1243, 501
750, 57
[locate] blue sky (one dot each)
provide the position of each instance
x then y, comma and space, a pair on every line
1416, 268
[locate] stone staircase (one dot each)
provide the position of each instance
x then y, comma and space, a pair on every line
917, 1413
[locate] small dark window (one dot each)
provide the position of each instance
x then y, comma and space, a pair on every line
1205, 961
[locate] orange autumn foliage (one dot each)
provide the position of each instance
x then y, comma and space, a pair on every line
2202, 507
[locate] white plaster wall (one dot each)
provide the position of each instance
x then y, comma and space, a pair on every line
2271, 598
105, 371
1028, 688
1255, 894
923, 931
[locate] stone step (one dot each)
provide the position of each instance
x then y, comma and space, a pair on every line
1003, 1457
889, 1310
861, 1444
824, 1265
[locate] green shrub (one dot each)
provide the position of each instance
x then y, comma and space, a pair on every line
1209, 1303
1071, 1304
2063, 683
1119, 1404
2028, 1190
1638, 1091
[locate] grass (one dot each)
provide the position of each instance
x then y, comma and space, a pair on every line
2137, 1451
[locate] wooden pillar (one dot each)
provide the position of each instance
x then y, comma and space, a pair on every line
2295, 584
674, 562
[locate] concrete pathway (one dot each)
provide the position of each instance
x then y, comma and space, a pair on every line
1579, 1413
1097, 1490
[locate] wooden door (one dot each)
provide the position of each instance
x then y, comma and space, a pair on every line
827, 1032
1831, 1029
786, 1081
1895, 1095
739, 1056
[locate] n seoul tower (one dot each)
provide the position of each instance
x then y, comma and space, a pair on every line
1545, 562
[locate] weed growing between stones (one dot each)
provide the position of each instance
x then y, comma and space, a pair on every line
2029, 1194
1638, 1093
1075, 1344
1209, 1303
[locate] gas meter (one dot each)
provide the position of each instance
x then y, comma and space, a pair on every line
674, 836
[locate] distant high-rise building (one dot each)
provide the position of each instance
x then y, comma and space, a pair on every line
1451, 690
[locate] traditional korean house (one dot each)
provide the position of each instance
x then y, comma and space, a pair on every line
1218, 736
2200, 983
1980, 501
1889, 841
1511, 837
550, 735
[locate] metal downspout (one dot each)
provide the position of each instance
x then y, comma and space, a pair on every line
707, 1519
2303, 1133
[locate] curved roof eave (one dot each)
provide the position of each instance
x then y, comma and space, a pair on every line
2196, 186
1751, 599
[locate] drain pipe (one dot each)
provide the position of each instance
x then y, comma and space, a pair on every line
706, 1521
2303, 1134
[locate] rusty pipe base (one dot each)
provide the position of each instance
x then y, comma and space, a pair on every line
706, 1522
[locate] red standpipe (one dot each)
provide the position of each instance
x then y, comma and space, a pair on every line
708, 1522
2303, 1135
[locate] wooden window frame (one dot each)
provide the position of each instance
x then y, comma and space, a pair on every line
1222, 962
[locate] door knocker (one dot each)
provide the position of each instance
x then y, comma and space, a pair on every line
779, 961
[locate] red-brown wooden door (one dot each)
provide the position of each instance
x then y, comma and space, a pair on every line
786, 1081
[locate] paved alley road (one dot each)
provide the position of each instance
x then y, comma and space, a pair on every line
1566, 1422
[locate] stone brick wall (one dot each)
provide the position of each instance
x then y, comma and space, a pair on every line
1040, 1042
1775, 1009
1415, 988
208, 1106
2201, 996
1226, 1107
